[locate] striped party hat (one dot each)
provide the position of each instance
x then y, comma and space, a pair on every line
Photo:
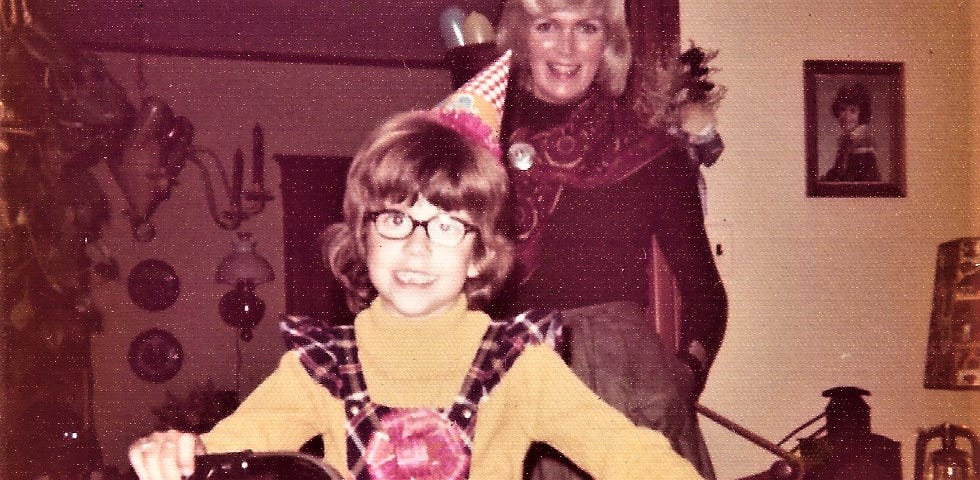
477, 108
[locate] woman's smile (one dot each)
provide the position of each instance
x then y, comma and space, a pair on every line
564, 70
565, 50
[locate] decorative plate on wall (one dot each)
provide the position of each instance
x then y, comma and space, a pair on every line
155, 355
153, 284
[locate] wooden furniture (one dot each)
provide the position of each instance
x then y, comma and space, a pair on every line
312, 196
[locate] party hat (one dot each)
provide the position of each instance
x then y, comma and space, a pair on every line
477, 108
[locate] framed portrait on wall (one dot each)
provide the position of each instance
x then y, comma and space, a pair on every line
855, 128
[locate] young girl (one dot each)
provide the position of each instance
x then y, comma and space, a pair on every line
423, 385
856, 160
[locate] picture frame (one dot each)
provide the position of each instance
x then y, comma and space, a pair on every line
869, 161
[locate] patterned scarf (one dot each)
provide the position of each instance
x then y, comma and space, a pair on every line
600, 142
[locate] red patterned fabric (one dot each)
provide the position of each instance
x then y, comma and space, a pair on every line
602, 142
417, 444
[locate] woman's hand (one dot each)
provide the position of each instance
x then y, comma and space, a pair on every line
165, 455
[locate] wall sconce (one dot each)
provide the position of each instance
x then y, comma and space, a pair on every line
949, 462
155, 152
243, 268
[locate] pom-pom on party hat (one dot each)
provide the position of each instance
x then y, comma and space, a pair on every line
477, 108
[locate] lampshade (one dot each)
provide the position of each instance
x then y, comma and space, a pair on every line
243, 264
953, 350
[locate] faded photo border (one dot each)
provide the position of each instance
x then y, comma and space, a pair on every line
885, 84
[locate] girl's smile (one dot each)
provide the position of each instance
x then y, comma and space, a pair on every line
415, 276
409, 277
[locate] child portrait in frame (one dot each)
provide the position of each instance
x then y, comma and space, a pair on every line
854, 128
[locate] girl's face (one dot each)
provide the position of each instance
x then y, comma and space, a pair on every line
565, 51
415, 276
848, 117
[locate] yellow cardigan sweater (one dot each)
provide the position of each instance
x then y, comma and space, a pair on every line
421, 363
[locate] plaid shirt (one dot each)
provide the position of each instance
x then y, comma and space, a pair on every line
329, 355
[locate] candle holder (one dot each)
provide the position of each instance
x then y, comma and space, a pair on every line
155, 154
245, 203
242, 204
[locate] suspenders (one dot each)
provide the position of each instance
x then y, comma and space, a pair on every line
329, 354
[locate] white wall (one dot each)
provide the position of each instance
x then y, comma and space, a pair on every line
833, 291
823, 292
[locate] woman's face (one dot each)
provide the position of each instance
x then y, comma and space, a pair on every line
848, 117
564, 52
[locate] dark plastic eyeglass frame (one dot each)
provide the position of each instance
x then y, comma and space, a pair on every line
373, 218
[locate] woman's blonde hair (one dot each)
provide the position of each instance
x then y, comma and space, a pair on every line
414, 155
517, 15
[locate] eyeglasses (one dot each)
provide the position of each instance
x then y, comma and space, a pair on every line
442, 229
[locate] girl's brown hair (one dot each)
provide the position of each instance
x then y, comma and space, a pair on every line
414, 155
516, 17
856, 95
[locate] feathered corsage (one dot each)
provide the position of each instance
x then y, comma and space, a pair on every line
668, 87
